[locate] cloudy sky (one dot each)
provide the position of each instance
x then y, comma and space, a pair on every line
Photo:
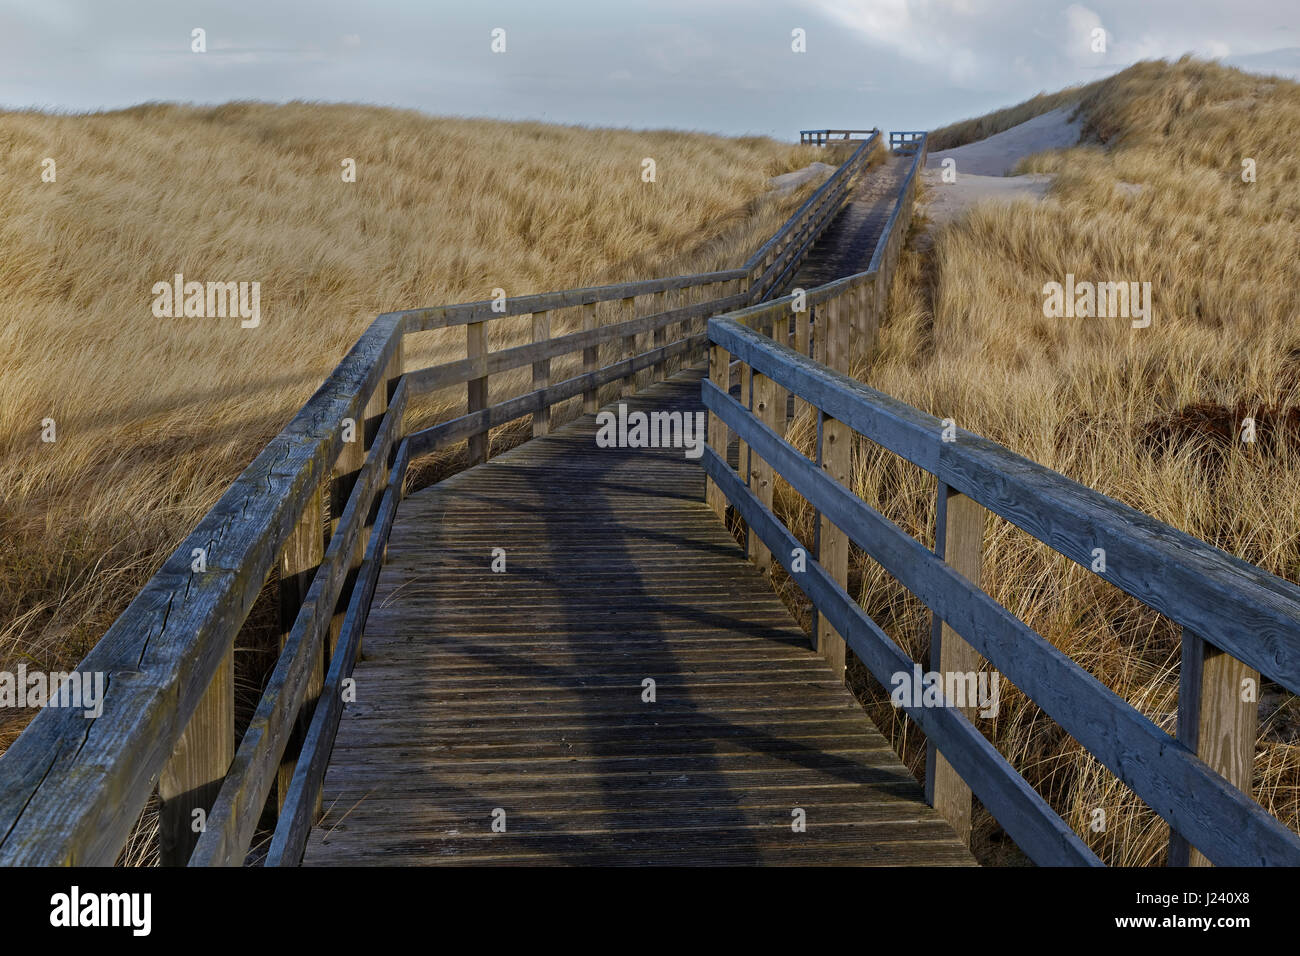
718, 65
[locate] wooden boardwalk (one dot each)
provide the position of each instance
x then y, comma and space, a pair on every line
849, 241
518, 696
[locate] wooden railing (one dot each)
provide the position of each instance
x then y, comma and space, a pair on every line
906, 143
824, 137
1238, 621
72, 788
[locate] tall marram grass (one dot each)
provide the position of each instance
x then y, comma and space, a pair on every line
1149, 416
154, 417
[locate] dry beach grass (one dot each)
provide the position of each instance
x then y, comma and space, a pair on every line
154, 417
1149, 416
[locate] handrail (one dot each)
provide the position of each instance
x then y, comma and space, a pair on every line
71, 788
822, 137
1199, 783
836, 182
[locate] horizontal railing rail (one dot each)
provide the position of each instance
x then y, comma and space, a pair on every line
772, 259
823, 137
906, 142
1238, 620
313, 512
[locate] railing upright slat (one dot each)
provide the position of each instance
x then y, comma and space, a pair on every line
298, 563
542, 373
189, 783
476, 398
959, 541
1218, 720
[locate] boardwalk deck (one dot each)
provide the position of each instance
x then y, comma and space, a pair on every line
522, 691
849, 241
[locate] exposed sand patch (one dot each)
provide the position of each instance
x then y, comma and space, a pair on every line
789, 182
944, 202
998, 154
982, 167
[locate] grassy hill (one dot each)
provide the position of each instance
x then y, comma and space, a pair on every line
155, 416
1150, 416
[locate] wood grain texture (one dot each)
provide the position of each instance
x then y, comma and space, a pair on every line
959, 541
1224, 823
1251, 614
70, 789
522, 690
1218, 719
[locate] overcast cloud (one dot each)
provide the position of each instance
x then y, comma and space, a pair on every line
718, 65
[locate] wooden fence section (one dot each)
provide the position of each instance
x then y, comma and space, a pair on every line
71, 789
828, 137
1238, 620
526, 689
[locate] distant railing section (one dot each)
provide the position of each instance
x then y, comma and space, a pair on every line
826, 137
1237, 619
906, 143
72, 788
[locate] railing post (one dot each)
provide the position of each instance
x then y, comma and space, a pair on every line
349, 462
836, 456
590, 361
659, 370
542, 373
762, 477
192, 777
719, 375
629, 344
299, 560
1218, 719
959, 541
476, 347
802, 340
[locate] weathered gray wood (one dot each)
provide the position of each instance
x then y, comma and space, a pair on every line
541, 373
800, 215
448, 316
1223, 822
1026, 817
959, 542
70, 790
190, 781
1218, 720
1243, 609
523, 689
302, 807
762, 479
504, 360
252, 775
720, 376
476, 398
439, 436
590, 362
299, 560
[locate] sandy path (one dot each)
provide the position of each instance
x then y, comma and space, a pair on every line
982, 166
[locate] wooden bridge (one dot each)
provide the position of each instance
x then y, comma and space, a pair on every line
569, 657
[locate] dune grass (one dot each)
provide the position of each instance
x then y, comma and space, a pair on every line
982, 127
154, 417
1151, 417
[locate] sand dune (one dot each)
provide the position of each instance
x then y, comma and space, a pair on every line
982, 167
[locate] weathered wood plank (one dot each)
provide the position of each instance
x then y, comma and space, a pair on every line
70, 790
1221, 820
1243, 609
1026, 817
524, 689
959, 542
